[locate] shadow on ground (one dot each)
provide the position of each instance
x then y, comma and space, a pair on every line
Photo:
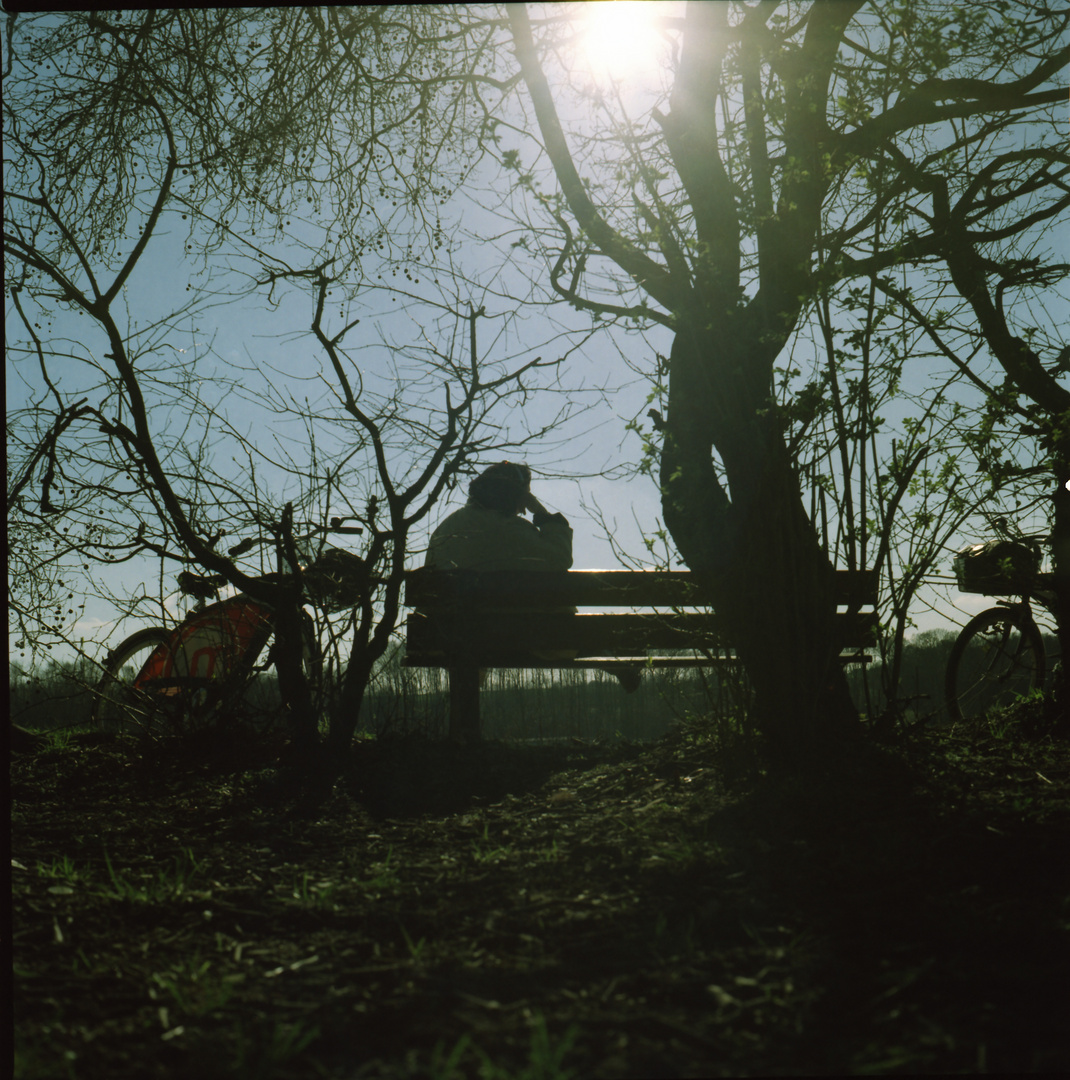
572, 910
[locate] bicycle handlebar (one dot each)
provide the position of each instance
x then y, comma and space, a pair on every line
336, 525
1010, 531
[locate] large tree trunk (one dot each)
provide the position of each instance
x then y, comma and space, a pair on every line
1060, 545
773, 585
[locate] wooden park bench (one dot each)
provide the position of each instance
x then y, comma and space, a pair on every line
467, 620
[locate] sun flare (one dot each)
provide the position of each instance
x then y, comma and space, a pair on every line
621, 37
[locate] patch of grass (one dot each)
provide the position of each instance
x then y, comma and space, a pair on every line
60, 738
193, 987
262, 1055
550, 854
385, 879
686, 849
447, 1066
416, 948
324, 893
487, 852
546, 1058
168, 883
62, 869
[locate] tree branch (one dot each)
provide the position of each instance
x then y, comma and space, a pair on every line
655, 279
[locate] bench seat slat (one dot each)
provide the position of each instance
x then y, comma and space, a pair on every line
595, 663
458, 634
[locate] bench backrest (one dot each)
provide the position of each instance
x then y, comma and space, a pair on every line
501, 614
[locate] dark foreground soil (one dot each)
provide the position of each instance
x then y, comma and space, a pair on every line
576, 911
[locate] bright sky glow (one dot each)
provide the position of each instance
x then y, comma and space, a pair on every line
621, 37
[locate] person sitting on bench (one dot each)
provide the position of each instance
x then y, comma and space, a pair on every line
490, 533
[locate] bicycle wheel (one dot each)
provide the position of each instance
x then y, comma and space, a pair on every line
119, 707
997, 659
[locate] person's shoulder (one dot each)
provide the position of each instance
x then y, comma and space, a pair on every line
456, 517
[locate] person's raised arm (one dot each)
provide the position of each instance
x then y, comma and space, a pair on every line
533, 506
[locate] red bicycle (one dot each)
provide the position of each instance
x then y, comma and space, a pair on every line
209, 666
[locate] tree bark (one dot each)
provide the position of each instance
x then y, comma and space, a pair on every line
773, 585
1060, 547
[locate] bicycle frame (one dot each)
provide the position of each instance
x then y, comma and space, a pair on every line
210, 645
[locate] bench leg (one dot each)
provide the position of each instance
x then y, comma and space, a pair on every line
464, 704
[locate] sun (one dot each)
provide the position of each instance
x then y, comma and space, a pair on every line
621, 38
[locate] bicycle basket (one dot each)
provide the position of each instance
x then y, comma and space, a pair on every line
998, 568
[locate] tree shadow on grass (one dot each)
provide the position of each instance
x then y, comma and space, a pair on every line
415, 776
940, 908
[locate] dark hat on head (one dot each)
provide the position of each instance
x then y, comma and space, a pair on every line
501, 487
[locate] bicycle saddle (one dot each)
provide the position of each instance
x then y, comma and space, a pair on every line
202, 586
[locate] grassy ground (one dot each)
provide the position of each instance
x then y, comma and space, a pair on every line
569, 911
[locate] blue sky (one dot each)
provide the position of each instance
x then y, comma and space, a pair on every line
241, 332
247, 333
272, 345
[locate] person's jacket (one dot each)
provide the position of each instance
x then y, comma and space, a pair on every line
475, 538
